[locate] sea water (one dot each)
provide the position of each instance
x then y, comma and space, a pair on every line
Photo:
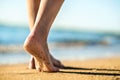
64, 44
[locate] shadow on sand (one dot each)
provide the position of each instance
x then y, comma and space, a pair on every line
92, 71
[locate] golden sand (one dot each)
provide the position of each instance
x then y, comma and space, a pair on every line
97, 69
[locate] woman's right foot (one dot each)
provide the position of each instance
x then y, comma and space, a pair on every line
56, 62
32, 46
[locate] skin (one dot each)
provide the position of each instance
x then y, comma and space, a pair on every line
33, 6
41, 16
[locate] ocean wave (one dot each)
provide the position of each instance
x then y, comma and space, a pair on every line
17, 35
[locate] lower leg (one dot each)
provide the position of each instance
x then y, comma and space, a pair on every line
46, 14
33, 6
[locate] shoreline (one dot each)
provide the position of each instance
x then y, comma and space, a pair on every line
93, 69
15, 53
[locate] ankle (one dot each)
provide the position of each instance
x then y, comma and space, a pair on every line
33, 41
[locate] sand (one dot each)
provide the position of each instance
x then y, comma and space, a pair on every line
96, 69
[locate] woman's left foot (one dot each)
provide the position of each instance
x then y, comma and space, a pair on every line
32, 63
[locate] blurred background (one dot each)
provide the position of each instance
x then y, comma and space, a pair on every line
83, 29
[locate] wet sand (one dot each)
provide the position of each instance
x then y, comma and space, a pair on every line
95, 69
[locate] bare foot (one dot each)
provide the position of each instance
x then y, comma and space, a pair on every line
40, 54
55, 62
32, 63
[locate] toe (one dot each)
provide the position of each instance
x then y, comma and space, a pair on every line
59, 64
